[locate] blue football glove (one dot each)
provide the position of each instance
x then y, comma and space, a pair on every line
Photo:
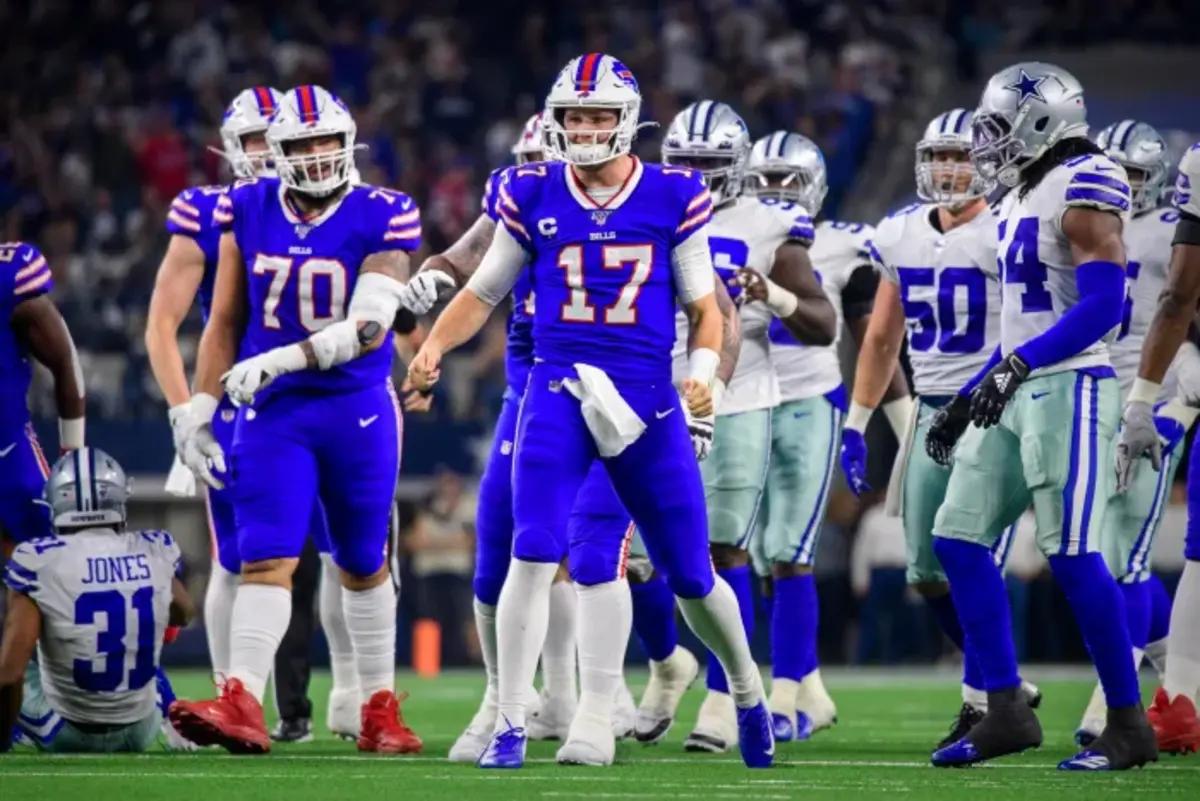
854, 460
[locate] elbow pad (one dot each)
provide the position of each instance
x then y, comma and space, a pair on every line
373, 308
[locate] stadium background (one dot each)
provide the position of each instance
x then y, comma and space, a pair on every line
110, 108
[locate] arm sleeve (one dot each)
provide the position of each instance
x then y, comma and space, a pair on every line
691, 263
1101, 296
500, 267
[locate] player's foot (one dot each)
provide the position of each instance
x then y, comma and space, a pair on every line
472, 742
505, 750
1010, 726
1175, 724
669, 680
233, 720
813, 700
716, 729
624, 713
344, 714
165, 696
1127, 741
293, 730
794, 727
1093, 718
590, 741
383, 728
551, 720
1031, 693
755, 737
968, 716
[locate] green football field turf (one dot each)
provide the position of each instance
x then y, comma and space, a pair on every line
878, 750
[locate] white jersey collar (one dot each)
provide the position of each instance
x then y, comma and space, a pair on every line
577, 190
293, 215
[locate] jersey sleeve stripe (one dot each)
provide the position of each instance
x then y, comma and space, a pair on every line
19, 584
802, 232
222, 216
1098, 197
402, 220
409, 233
33, 267
512, 224
506, 199
180, 205
696, 220
698, 200
34, 283
22, 571
184, 222
1091, 178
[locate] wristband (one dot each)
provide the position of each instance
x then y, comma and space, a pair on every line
1144, 391
781, 302
898, 412
858, 416
70, 433
290, 358
702, 365
204, 406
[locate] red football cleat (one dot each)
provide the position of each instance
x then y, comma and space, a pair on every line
1175, 723
233, 720
383, 728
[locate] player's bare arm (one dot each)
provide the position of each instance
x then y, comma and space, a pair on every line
182, 609
705, 325
731, 333
175, 286
21, 627
1176, 311
897, 386
879, 348
462, 258
45, 335
794, 294
219, 342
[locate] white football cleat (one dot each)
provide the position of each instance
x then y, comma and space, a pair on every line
590, 741
716, 729
172, 739
550, 718
344, 714
669, 680
624, 715
813, 700
1094, 718
474, 740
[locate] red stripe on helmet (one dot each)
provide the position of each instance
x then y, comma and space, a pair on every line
266, 103
586, 79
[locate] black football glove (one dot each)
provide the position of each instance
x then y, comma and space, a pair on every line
949, 423
994, 391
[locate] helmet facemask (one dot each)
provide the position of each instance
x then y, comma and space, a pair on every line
311, 166
996, 151
945, 180
589, 146
785, 183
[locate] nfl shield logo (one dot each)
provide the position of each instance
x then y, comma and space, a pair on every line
600, 216
302, 230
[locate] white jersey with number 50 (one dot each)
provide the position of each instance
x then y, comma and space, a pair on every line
104, 597
1147, 252
1036, 265
949, 290
741, 234
806, 371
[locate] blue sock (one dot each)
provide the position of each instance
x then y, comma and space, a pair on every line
740, 579
947, 618
654, 617
1160, 610
1096, 601
794, 627
982, 603
1137, 612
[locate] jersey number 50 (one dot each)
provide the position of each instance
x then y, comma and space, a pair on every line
939, 325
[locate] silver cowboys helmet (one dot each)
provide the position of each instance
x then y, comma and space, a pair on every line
86, 489
787, 166
1140, 149
1025, 110
710, 137
945, 181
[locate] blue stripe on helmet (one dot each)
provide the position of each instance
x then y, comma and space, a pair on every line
78, 487
783, 142
708, 116
961, 121
1129, 126
692, 121
93, 491
945, 118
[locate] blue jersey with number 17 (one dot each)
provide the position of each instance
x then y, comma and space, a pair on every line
301, 271
604, 288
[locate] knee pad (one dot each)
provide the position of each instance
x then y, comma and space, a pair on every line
538, 545
691, 587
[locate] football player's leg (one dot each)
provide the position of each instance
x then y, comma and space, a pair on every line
986, 493
358, 467
804, 451
225, 575
1160, 619
734, 475
37, 721
559, 664
345, 697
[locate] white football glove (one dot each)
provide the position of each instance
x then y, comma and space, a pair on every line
1139, 437
701, 431
183, 423
249, 376
202, 454
420, 294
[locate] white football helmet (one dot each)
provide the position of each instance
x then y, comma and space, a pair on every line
594, 81
248, 114
1140, 149
710, 137
794, 163
531, 145
1025, 110
936, 181
87, 488
309, 112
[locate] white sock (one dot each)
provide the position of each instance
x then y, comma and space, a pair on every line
218, 615
485, 626
521, 620
716, 620
333, 621
975, 697
1156, 655
605, 619
558, 652
1183, 656
783, 695
261, 613
371, 621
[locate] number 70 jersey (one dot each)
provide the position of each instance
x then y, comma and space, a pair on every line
949, 289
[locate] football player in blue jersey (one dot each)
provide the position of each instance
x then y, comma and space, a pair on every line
33, 328
1034, 427
310, 267
609, 244
187, 273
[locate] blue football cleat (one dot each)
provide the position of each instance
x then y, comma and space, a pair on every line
956, 755
804, 726
506, 749
755, 736
1086, 759
781, 727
